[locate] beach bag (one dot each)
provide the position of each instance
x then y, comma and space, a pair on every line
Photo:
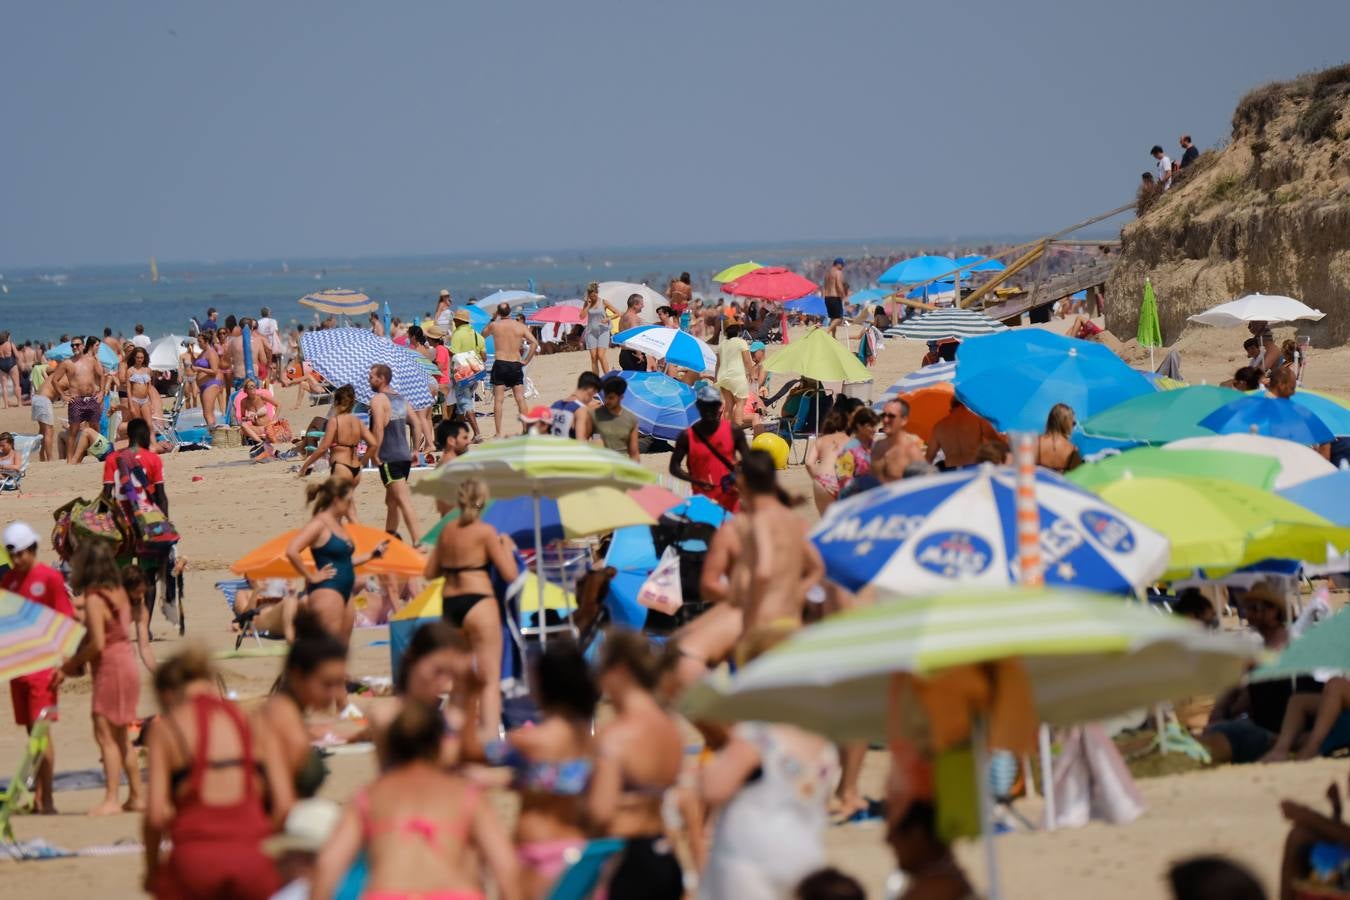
661, 591
465, 365
152, 532
94, 521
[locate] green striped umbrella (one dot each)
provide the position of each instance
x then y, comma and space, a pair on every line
1160, 417
1088, 656
1244, 468
537, 465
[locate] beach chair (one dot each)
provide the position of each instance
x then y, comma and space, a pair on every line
802, 426
583, 875
230, 589
27, 445
23, 779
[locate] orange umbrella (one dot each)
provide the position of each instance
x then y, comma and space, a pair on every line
269, 560
928, 406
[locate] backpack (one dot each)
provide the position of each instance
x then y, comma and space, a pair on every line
152, 530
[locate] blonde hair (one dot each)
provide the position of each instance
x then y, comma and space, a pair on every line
327, 492
191, 664
471, 498
1060, 420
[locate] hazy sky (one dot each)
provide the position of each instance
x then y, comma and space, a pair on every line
278, 128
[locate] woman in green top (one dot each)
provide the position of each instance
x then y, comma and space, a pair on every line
616, 427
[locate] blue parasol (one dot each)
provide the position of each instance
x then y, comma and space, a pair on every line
106, 356
918, 269
810, 305
345, 355
1271, 416
664, 407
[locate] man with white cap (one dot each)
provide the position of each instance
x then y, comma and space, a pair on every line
712, 448
33, 693
309, 825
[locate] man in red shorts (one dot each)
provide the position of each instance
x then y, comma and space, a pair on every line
33, 693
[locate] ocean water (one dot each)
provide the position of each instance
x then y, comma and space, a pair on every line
42, 304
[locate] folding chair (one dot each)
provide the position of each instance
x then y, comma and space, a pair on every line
27, 445
230, 589
804, 425
23, 779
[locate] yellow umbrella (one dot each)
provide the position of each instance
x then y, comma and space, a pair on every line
731, 273
818, 356
340, 302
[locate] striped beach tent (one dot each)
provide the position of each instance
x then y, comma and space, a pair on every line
945, 324
33, 637
1088, 657
340, 302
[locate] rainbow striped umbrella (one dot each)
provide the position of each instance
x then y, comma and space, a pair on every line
340, 302
33, 637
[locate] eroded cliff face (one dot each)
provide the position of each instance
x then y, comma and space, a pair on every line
1269, 213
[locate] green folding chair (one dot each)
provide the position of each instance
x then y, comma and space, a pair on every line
23, 779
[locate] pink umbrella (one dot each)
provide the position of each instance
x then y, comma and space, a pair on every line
770, 283
560, 315
655, 499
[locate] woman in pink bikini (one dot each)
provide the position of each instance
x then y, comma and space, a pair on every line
424, 830
113, 622
822, 456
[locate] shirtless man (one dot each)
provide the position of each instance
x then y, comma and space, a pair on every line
508, 371
82, 384
234, 353
834, 291
897, 448
28, 358
114, 344
959, 436
631, 360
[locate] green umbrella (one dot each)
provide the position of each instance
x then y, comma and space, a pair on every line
1150, 332
1324, 646
818, 356
731, 273
1088, 657
1221, 525
1244, 468
1160, 417
536, 465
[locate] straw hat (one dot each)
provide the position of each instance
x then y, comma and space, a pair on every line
434, 331
462, 315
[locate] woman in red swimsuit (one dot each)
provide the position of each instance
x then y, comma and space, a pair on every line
209, 771
424, 829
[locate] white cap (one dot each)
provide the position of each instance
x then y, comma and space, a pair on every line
444, 292
20, 536
309, 824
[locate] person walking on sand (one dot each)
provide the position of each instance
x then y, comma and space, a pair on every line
113, 624
834, 291
596, 336
712, 448
391, 452
31, 694
508, 371
733, 374
82, 383
1164, 177
468, 350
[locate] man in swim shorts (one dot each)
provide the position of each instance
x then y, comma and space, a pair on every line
511, 339
82, 380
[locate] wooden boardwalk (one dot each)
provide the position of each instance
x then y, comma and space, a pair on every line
1083, 277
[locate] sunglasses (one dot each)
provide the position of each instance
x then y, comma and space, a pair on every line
885, 416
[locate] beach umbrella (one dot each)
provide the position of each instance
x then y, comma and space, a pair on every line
1014, 377
1269, 416
560, 314
1326, 495
936, 290
664, 406
478, 317
386, 320
936, 373
510, 298
1257, 308
1149, 332
1215, 524
345, 355
572, 516
269, 559
927, 406
1161, 416
1156, 462
1088, 657
771, 283
981, 263
340, 302
810, 305
1332, 413
618, 292
654, 499
403, 624
945, 324
165, 352
106, 356
246, 338
33, 637
698, 510
731, 273
959, 528
1325, 647
537, 466
918, 269
671, 344
819, 356
1297, 462
869, 296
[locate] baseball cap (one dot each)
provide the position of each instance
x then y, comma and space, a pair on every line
309, 825
708, 394
838, 260
20, 536
756, 346
444, 292
538, 414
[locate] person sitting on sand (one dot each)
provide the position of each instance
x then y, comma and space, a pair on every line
933, 872
1055, 449
958, 437
1245, 722
11, 462
1084, 329
275, 604
1314, 724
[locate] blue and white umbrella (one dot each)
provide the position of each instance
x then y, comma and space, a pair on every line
922, 535
936, 290
925, 377
345, 355
810, 305
664, 406
671, 344
510, 298
106, 356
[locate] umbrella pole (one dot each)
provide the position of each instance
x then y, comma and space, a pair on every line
980, 740
539, 570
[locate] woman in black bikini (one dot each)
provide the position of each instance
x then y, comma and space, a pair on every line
465, 550
342, 434
9, 370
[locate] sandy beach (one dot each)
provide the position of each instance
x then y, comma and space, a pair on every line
224, 505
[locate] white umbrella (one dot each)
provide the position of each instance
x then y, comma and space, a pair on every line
616, 293
1297, 462
510, 298
1257, 308
165, 352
